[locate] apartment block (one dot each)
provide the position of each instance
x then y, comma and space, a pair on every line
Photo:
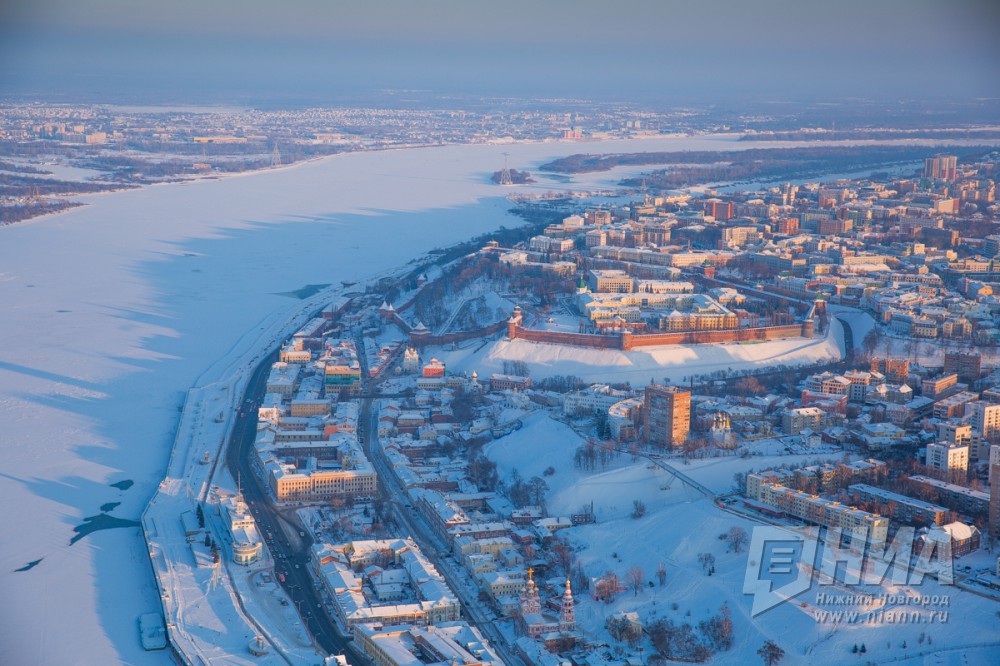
666, 415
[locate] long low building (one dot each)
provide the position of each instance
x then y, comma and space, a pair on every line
659, 256
901, 507
767, 489
955, 497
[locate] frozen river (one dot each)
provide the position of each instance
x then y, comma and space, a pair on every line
109, 312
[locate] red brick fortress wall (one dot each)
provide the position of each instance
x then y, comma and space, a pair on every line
627, 341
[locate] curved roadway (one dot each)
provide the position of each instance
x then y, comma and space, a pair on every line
289, 550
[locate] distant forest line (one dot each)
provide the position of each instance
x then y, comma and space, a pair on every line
686, 168
874, 134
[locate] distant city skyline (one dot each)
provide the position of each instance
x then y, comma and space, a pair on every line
325, 52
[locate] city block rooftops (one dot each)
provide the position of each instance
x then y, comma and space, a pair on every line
492, 578
284, 373
608, 273
881, 429
600, 389
863, 465
805, 411
400, 645
774, 475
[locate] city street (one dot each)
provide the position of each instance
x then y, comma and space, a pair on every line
290, 547
412, 524
290, 553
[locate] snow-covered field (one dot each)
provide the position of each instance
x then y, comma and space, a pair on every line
111, 311
680, 524
666, 536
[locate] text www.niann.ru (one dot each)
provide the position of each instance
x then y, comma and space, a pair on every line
881, 617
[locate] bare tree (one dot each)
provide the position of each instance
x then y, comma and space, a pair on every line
638, 509
635, 578
750, 385
564, 555
707, 562
718, 629
771, 653
737, 539
580, 580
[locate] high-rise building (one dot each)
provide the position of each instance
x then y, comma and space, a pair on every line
787, 225
942, 167
994, 492
953, 432
666, 415
967, 366
948, 456
720, 210
984, 416
895, 369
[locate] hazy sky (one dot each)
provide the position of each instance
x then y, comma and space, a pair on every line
322, 50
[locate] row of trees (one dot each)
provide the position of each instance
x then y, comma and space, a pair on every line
762, 161
680, 642
608, 586
530, 492
483, 472
591, 453
560, 383
519, 368
14, 185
